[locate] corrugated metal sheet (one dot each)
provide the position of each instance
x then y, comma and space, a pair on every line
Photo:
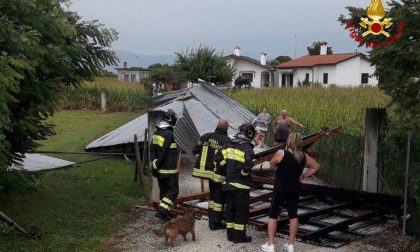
38, 162
203, 103
122, 135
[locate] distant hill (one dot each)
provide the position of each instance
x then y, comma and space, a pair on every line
140, 60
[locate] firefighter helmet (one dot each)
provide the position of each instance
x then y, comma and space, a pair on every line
248, 130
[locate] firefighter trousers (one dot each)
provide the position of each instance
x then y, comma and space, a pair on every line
237, 212
217, 200
168, 192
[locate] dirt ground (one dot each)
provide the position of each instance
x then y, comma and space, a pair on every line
136, 234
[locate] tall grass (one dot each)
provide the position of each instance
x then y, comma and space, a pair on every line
316, 107
121, 96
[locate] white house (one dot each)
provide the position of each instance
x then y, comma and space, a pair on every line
344, 69
258, 71
132, 74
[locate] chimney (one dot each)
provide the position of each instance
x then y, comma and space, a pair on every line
125, 64
263, 58
324, 48
237, 51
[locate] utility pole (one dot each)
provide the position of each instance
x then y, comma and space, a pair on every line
295, 43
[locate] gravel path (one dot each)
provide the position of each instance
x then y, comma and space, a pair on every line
137, 235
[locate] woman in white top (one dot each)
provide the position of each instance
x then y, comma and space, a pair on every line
262, 121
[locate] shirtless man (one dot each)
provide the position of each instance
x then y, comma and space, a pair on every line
281, 127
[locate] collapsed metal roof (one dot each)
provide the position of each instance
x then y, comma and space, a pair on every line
202, 105
38, 162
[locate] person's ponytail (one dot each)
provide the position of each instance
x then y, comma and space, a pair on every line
294, 143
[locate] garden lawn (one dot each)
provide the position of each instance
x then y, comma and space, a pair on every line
75, 209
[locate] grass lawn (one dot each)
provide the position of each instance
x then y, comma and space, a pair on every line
75, 209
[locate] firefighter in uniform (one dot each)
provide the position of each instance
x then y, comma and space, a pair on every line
235, 162
164, 156
205, 150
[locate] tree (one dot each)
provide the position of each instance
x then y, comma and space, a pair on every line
315, 48
203, 63
156, 65
43, 48
162, 74
242, 81
279, 60
398, 64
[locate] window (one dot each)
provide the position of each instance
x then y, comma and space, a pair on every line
133, 78
291, 80
248, 75
365, 78
325, 80
126, 76
283, 80
306, 80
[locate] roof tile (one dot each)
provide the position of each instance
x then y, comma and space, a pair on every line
313, 60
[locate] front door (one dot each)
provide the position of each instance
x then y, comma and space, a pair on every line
287, 80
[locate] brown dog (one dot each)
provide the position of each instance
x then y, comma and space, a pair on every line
181, 225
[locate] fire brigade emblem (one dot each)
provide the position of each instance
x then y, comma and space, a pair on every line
376, 24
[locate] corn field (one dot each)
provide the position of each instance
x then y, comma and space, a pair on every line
121, 96
316, 107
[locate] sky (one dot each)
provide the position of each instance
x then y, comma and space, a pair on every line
162, 27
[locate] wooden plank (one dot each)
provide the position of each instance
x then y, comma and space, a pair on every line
262, 197
192, 196
258, 210
374, 124
146, 207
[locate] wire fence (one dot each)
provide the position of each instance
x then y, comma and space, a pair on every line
341, 160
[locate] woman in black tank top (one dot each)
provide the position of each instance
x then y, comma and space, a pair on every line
290, 164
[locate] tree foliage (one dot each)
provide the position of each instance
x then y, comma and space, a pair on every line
242, 81
398, 64
204, 63
44, 47
162, 74
315, 48
278, 60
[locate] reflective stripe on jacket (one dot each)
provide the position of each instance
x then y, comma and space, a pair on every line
235, 163
163, 153
205, 151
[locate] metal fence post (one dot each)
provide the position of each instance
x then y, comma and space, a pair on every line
407, 166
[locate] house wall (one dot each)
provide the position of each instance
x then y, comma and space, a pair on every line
330, 70
140, 75
344, 74
365, 67
350, 72
299, 74
241, 66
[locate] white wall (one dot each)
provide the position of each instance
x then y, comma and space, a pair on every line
350, 72
365, 67
330, 70
244, 66
139, 75
346, 73
299, 74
